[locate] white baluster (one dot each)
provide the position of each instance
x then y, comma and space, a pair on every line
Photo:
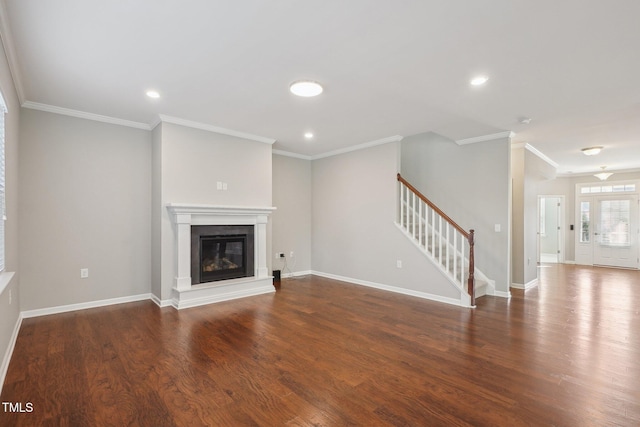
401, 195
413, 215
433, 231
420, 222
455, 255
440, 239
448, 245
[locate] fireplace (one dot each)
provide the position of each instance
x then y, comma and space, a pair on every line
221, 252
192, 286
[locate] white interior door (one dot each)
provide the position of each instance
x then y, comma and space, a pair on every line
616, 231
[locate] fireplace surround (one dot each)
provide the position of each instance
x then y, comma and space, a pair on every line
214, 220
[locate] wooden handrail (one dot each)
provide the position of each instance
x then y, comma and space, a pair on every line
469, 235
434, 207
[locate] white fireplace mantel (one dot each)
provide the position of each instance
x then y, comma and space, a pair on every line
184, 216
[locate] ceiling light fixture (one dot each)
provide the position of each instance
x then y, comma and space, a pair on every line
479, 80
591, 151
308, 135
602, 176
306, 88
153, 94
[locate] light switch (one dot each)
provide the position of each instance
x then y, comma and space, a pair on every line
497, 228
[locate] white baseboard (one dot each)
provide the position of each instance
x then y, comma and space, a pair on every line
502, 294
389, 288
7, 355
296, 274
84, 305
160, 302
527, 285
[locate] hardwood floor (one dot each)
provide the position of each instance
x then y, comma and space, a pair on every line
326, 353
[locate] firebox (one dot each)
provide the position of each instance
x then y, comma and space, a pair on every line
221, 252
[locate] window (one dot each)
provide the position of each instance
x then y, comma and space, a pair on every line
618, 188
615, 219
543, 217
3, 217
585, 222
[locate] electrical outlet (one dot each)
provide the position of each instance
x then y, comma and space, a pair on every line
281, 254
399, 263
291, 254
84, 273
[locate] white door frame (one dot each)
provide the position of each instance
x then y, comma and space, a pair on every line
561, 226
585, 256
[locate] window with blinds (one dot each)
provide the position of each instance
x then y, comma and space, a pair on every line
3, 111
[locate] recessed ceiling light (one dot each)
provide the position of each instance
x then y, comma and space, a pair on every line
153, 94
479, 80
592, 151
308, 135
306, 88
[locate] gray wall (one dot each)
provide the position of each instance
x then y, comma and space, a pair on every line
471, 183
529, 173
157, 213
292, 219
85, 191
187, 165
353, 231
9, 313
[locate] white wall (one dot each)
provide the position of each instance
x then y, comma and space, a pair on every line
9, 312
192, 161
354, 236
471, 184
85, 202
292, 219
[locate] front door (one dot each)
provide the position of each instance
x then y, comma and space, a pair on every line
616, 231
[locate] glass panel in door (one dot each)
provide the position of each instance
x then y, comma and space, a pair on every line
616, 234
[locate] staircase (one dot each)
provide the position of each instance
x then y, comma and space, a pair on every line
445, 243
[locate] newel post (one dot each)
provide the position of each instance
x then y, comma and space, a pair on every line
471, 280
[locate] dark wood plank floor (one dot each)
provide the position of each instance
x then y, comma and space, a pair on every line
326, 353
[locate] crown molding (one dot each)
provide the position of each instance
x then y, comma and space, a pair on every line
84, 115
216, 129
534, 150
582, 174
395, 138
290, 154
6, 38
483, 138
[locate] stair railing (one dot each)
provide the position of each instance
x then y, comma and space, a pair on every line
436, 233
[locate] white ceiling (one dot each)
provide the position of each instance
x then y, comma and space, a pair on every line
389, 67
